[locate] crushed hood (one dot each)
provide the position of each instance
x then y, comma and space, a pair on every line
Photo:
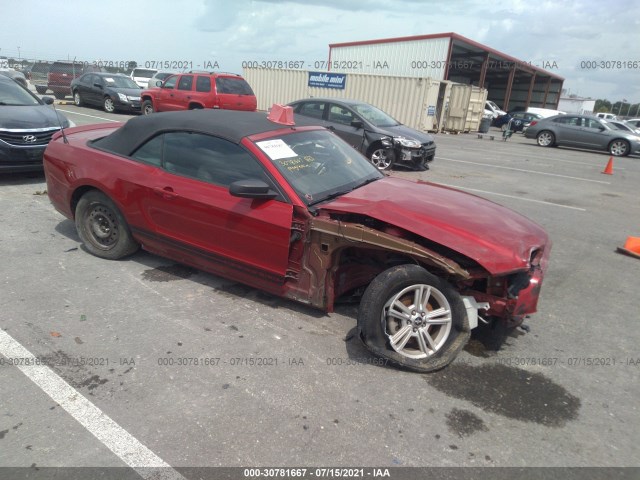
497, 238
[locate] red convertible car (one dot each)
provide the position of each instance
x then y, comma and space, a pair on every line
297, 212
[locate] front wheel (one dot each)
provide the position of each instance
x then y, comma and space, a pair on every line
108, 105
546, 139
382, 158
77, 99
147, 107
619, 148
413, 318
102, 228
41, 89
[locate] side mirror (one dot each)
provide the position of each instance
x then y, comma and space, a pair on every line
252, 189
158, 83
47, 100
356, 124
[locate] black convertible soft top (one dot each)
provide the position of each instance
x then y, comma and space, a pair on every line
229, 124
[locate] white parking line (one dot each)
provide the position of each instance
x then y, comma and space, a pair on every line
87, 115
513, 196
146, 463
524, 170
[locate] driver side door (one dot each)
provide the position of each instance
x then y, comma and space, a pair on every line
340, 119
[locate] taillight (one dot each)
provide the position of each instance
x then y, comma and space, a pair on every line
533, 122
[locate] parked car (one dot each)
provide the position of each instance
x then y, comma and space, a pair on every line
365, 127
158, 77
14, 75
583, 131
192, 90
110, 91
142, 75
60, 76
297, 212
26, 126
634, 121
38, 76
492, 110
624, 126
521, 120
606, 116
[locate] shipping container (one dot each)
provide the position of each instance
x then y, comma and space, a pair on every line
420, 103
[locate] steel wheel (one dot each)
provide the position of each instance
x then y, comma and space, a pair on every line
102, 228
619, 148
546, 139
417, 321
76, 99
382, 159
109, 105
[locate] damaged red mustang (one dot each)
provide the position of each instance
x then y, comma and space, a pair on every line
297, 212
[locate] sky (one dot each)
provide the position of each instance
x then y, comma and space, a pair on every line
226, 33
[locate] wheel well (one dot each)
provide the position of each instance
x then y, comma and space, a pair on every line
618, 139
77, 195
194, 106
372, 147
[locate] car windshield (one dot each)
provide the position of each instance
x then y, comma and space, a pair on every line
318, 165
14, 95
120, 82
375, 116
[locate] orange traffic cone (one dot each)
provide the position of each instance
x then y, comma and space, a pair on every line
631, 247
609, 168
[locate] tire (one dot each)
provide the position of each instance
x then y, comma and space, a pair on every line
382, 158
546, 139
619, 148
60, 95
102, 228
77, 99
410, 342
147, 107
41, 89
108, 105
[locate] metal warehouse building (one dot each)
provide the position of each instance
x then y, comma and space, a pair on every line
510, 82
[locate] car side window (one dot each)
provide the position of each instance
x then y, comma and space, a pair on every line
312, 109
566, 120
591, 123
185, 83
338, 114
203, 84
211, 159
171, 82
150, 152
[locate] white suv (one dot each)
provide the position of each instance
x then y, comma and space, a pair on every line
142, 75
606, 116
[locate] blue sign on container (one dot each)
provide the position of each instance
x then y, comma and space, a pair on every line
327, 80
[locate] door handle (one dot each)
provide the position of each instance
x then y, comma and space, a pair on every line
165, 192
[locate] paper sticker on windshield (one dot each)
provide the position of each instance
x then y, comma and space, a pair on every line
276, 149
109, 79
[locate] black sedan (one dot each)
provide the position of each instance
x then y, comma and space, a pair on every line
110, 91
367, 129
26, 126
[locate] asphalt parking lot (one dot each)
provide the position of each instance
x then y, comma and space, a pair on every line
193, 370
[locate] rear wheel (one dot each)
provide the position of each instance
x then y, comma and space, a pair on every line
413, 318
619, 148
147, 107
102, 228
108, 105
41, 89
546, 139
